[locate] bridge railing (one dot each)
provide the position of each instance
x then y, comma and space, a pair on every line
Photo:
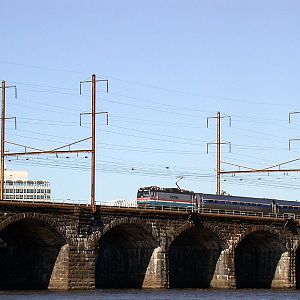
214, 211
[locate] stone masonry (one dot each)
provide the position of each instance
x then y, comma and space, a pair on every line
69, 247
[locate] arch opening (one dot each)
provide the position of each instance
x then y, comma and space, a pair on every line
32, 256
124, 257
193, 257
256, 260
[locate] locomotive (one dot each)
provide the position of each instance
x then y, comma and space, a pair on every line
154, 196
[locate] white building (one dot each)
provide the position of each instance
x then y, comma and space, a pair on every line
17, 186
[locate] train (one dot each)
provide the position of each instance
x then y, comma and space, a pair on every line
154, 196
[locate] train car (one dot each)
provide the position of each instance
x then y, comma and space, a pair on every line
287, 207
227, 202
155, 196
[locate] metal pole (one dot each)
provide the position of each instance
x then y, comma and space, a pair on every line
2, 140
93, 143
219, 154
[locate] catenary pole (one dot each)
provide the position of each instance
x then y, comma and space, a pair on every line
2, 139
93, 171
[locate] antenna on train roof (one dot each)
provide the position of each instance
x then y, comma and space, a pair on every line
178, 181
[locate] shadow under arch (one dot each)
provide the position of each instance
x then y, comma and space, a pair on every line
256, 259
33, 255
297, 267
123, 256
193, 256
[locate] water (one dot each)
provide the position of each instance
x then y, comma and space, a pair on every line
189, 294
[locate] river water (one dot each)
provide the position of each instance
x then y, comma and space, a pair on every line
161, 294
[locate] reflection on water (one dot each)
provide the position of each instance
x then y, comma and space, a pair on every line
171, 294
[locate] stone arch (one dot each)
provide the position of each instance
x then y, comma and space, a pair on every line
193, 252
188, 225
254, 229
126, 251
38, 217
34, 252
122, 221
261, 258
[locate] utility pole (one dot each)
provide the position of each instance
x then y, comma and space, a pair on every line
292, 113
218, 153
61, 149
219, 143
271, 169
93, 150
296, 139
3, 87
93, 171
2, 139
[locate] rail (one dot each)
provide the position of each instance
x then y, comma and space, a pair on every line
215, 211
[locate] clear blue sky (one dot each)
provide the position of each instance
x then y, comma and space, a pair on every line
170, 65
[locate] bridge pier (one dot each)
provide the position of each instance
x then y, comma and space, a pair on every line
59, 279
156, 274
283, 277
81, 269
224, 276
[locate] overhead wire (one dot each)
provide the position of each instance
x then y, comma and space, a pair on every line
116, 169
170, 106
133, 82
176, 110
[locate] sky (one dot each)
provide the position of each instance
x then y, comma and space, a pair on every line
170, 66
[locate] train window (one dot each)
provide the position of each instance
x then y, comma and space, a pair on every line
139, 194
208, 201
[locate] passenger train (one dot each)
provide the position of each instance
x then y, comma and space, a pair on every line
154, 196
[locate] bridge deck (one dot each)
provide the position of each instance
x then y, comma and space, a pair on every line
158, 211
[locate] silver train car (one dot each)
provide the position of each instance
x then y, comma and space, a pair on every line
154, 196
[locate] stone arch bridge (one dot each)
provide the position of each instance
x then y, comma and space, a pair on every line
68, 247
